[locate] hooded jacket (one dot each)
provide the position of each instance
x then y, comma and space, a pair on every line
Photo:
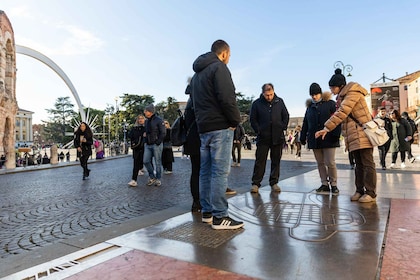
351, 100
269, 120
213, 94
315, 116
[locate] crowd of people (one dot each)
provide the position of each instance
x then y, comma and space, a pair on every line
215, 138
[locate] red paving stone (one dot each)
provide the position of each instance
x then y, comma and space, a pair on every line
401, 256
137, 264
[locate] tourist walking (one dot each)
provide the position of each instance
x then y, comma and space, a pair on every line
238, 136
319, 109
155, 132
414, 130
83, 140
217, 115
269, 119
136, 135
167, 153
401, 137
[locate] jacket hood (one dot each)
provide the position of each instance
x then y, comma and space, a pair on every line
204, 60
352, 86
326, 96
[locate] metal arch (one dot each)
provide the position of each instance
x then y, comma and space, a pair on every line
47, 61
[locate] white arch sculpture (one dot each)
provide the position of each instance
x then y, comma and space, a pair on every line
47, 61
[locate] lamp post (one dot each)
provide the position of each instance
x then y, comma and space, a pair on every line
346, 68
125, 137
116, 120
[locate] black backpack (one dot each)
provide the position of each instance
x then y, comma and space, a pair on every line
179, 131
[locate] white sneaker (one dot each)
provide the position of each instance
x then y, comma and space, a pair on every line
402, 165
392, 165
158, 183
132, 183
141, 173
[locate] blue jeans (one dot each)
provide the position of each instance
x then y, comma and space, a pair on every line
215, 151
150, 152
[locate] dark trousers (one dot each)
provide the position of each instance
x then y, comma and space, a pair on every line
394, 156
195, 177
137, 162
365, 172
261, 160
84, 164
236, 146
383, 150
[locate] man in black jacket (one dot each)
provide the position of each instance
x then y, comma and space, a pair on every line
217, 115
269, 119
155, 132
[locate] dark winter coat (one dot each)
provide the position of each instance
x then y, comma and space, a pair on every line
315, 116
239, 133
269, 120
155, 130
192, 145
86, 146
400, 130
213, 94
136, 136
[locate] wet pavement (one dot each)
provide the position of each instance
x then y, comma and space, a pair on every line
48, 214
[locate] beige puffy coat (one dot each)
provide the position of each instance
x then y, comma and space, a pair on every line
351, 99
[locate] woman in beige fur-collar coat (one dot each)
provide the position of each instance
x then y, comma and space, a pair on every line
351, 102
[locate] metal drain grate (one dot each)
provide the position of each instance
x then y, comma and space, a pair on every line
199, 234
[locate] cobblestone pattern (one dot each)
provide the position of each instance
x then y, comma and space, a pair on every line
39, 208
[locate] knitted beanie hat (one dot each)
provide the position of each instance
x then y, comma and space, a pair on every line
338, 79
314, 89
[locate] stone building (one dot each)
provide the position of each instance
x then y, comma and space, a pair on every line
8, 103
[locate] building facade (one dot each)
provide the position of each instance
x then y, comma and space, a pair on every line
8, 103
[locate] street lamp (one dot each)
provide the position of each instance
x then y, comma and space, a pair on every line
116, 119
347, 67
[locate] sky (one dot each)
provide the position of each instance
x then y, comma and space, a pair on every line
108, 48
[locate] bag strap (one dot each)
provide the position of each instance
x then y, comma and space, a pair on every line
359, 123
356, 121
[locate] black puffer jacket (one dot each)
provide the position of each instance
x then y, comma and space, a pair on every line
136, 136
269, 120
213, 94
315, 117
155, 130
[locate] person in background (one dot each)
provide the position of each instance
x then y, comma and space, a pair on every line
155, 132
238, 136
192, 149
136, 136
269, 119
383, 149
167, 153
401, 137
414, 130
319, 109
83, 141
297, 143
217, 115
353, 109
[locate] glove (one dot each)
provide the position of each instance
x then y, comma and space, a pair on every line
303, 143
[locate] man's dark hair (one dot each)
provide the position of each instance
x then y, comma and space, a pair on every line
219, 46
267, 84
